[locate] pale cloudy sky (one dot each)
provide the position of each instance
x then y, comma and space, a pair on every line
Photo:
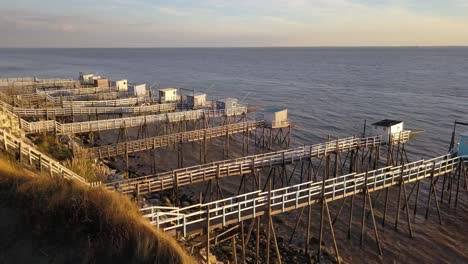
234, 23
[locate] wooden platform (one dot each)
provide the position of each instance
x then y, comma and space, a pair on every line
126, 122
239, 166
222, 213
91, 111
171, 139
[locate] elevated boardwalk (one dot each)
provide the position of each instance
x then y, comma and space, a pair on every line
37, 98
126, 122
43, 99
171, 139
28, 153
236, 209
240, 166
76, 91
90, 111
22, 85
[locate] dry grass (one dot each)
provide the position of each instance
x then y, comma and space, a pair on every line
49, 145
103, 226
83, 166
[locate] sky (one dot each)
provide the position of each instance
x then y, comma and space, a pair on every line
234, 23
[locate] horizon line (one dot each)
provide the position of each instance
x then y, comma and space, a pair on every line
244, 47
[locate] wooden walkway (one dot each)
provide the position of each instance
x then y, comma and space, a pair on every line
236, 209
91, 111
171, 139
43, 99
37, 98
29, 154
240, 166
24, 85
77, 91
126, 122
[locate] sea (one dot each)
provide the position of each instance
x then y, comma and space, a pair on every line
327, 91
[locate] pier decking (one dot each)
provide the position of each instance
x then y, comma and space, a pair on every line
172, 139
92, 111
236, 209
239, 166
126, 122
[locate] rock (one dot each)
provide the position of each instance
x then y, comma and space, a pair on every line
167, 201
239, 248
226, 249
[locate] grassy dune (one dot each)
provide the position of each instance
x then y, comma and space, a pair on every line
86, 225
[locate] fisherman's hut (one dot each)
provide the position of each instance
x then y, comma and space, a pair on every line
196, 100
276, 117
86, 78
121, 85
101, 82
387, 127
137, 89
168, 95
227, 104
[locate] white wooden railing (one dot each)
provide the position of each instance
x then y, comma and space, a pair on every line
249, 205
238, 166
108, 124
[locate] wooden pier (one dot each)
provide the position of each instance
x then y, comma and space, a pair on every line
227, 214
126, 122
250, 205
92, 111
125, 148
239, 166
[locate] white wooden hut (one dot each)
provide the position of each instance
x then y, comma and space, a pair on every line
387, 127
168, 95
196, 100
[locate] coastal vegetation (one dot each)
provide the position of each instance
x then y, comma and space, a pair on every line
53, 219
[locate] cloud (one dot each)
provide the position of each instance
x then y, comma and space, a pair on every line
234, 23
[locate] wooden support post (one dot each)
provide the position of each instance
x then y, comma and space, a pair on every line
376, 234
257, 245
40, 164
20, 151
297, 223
459, 172
234, 250
335, 245
208, 235
248, 139
275, 240
400, 184
243, 243
126, 161
416, 199
267, 249
410, 230
322, 198
432, 191
363, 220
